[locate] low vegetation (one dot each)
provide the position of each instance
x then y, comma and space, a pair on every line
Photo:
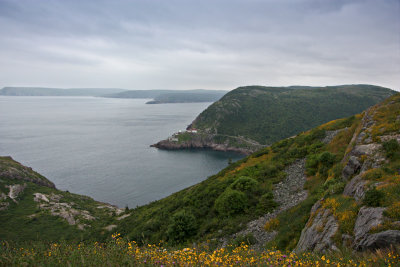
128, 253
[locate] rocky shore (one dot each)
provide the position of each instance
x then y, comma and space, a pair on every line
205, 141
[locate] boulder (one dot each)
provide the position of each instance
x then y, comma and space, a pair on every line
369, 150
352, 167
355, 188
318, 233
380, 240
367, 219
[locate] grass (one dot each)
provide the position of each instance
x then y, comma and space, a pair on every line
118, 251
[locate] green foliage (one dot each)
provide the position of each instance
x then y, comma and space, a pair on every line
269, 114
231, 202
245, 184
373, 198
266, 203
320, 163
291, 222
183, 226
392, 149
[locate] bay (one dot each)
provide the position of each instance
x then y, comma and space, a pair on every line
100, 146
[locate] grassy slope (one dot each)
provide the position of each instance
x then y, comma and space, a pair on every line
197, 212
268, 114
26, 221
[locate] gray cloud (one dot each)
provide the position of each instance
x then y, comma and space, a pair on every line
215, 44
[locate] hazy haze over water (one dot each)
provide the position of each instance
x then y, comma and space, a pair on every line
100, 146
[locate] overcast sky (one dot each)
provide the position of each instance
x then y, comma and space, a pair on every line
210, 44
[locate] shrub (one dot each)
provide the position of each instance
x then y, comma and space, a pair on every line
336, 188
373, 197
245, 184
182, 227
373, 174
393, 211
269, 171
272, 224
327, 159
391, 148
230, 202
266, 203
312, 164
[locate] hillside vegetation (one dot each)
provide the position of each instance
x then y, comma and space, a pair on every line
256, 192
31, 208
268, 114
335, 187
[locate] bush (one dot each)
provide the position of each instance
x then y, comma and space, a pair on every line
182, 227
320, 163
312, 164
266, 203
245, 184
327, 159
230, 202
391, 148
373, 198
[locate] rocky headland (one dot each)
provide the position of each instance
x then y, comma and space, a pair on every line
190, 140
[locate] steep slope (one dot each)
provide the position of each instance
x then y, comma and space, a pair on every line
334, 186
249, 117
31, 208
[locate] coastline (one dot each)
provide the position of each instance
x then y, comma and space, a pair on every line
181, 141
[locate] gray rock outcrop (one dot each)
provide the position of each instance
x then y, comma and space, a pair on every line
63, 210
380, 240
318, 233
367, 218
355, 188
15, 190
352, 167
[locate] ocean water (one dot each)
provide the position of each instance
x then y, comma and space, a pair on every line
100, 147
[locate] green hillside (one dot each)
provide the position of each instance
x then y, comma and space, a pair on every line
286, 180
268, 114
334, 187
31, 208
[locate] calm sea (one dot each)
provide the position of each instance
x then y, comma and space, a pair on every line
100, 146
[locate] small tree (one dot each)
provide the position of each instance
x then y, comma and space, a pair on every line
182, 227
373, 198
231, 202
245, 184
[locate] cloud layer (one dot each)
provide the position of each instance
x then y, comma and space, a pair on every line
212, 44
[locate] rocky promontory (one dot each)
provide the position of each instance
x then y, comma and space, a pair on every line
194, 140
